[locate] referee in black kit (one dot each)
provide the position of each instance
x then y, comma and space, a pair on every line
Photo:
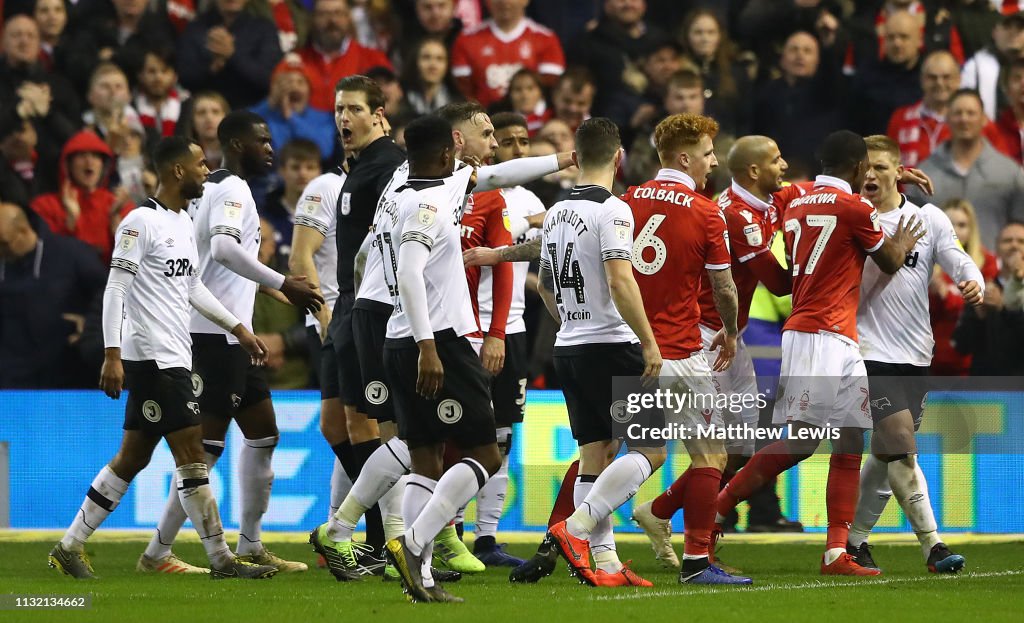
359, 114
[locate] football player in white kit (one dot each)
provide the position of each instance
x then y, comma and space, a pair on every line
153, 285
896, 343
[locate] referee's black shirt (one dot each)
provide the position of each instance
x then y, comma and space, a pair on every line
366, 180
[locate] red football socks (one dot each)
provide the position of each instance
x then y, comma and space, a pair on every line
766, 464
699, 509
841, 497
564, 504
671, 499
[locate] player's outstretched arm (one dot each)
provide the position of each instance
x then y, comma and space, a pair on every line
306, 241
112, 373
520, 171
773, 275
890, 256
727, 304
227, 252
625, 295
483, 256
412, 293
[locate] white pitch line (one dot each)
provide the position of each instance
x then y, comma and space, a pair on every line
642, 594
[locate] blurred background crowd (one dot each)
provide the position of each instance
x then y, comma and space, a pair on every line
88, 87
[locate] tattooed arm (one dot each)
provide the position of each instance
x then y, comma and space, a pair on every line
483, 256
727, 304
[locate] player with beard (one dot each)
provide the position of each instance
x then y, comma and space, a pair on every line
153, 283
226, 384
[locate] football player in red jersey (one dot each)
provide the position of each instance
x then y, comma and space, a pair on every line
823, 389
682, 239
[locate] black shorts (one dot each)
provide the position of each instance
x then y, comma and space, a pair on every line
588, 376
370, 327
326, 364
461, 413
160, 402
342, 339
313, 345
508, 389
223, 377
897, 386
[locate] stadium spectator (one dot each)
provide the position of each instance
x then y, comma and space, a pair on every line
427, 81
567, 18
201, 115
289, 16
974, 20
614, 49
288, 113
47, 283
298, 163
332, 53
526, 97
981, 71
765, 25
84, 208
426, 18
920, 127
1011, 119
945, 301
18, 162
803, 105
968, 167
880, 86
485, 58
231, 51
52, 18
395, 106
112, 117
28, 92
993, 333
869, 34
632, 109
112, 30
727, 76
573, 96
158, 98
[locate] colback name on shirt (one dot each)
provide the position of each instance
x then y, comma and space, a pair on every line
663, 194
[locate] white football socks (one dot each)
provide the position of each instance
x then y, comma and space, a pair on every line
174, 515
341, 484
197, 499
103, 497
391, 509
617, 484
911, 491
456, 487
382, 470
490, 502
256, 477
874, 495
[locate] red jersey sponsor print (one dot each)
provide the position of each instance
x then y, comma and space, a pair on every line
678, 235
485, 58
829, 233
485, 223
752, 226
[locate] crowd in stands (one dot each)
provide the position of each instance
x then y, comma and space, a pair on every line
87, 87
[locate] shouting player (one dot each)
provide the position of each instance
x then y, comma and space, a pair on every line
153, 283
822, 388
226, 384
588, 281
896, 342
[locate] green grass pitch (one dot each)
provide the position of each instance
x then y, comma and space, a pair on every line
787, 587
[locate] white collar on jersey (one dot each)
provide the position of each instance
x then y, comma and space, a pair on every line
675, 175
834, 182
749, 199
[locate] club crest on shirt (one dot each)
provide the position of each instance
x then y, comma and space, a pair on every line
310, 203
232, 210
426, 214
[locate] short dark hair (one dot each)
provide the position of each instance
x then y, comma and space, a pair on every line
458, 112
170, 151
367, 86
597, 140
577, 77
381, 74
842, 150
967, 93
503, 120
237, 124
165, 53
301, 149
426, 137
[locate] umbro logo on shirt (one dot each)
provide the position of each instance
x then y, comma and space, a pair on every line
169, 242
